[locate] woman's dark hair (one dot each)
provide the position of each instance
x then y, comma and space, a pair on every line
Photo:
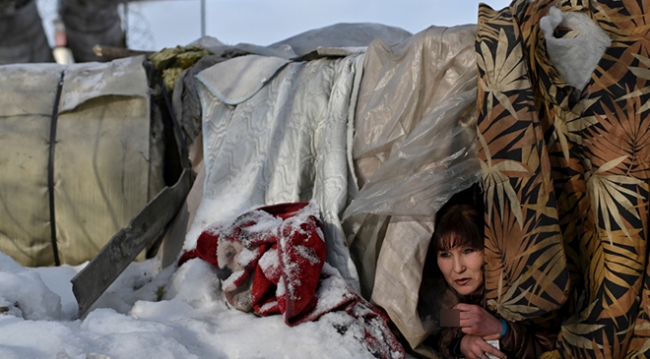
459, 225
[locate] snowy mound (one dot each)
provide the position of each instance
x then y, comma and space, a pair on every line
148, 313
24, 294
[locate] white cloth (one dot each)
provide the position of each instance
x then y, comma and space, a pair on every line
285, 140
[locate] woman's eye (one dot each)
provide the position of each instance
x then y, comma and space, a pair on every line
469, 250
444, 254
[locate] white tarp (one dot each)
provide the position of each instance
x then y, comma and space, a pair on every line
276, 131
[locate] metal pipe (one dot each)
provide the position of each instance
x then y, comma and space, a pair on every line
202, 18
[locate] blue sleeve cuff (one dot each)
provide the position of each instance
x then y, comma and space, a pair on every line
505, 327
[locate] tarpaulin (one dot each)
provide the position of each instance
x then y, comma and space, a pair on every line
101, 162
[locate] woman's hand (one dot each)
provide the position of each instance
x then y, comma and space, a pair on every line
476, 348
477, 321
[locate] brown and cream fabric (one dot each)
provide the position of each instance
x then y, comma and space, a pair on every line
566, 177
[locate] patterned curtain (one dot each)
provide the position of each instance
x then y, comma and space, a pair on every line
566, 178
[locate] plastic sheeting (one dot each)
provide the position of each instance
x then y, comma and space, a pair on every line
414, 147
101, 158
341, 35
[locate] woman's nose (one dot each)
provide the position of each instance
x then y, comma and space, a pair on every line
459, 266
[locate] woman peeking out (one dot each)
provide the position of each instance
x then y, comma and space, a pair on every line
458, 245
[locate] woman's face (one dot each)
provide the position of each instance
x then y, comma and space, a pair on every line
462, 268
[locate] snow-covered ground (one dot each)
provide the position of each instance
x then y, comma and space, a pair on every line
148, 313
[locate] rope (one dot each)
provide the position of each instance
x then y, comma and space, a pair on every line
50, 170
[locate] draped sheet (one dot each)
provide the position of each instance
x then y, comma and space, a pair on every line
275, 131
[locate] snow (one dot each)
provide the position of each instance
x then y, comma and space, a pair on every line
215, 212
149, 313
308, 253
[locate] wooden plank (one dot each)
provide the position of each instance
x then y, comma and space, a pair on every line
89, 284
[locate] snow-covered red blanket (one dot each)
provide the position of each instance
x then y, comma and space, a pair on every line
272, 261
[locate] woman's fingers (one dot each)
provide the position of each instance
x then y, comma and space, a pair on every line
478, 321
471, 323
468, 315
470, 345
476, 347
464, 307
487, 348
467, 320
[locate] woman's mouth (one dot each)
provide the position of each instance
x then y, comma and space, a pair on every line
462, 281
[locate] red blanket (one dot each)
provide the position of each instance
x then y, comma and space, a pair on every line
272, 261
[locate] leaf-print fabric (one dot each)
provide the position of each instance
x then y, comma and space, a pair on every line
566, 176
